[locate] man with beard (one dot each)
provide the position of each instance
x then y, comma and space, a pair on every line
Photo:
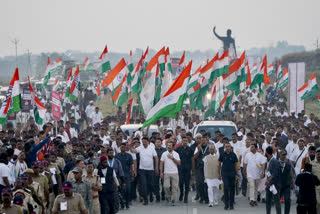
109, 183
68, 202
310, 157
7, 206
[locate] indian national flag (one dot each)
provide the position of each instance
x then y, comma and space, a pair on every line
227, 100
136, 83
193, 82
270, 69
12, 103
261, 76
171, 103
66, 90
283, 79
181, 64
53, 67
115, 76
248, 82
130, 112
158, 58
120, 94
220, 66
98, 85
39, 110
216, 97
86, 63
56, 85
130, 68
105, 61
309, 88
278, 72
74, 88
236, 75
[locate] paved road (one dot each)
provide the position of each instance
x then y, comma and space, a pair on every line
193, 207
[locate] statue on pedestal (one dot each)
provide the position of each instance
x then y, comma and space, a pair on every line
228, 41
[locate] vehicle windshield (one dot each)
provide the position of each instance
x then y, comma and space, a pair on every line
132, 130
227, 131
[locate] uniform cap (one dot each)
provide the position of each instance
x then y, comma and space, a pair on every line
67, 185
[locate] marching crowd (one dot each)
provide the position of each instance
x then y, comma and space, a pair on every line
85, 163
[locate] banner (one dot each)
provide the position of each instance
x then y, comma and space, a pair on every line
56, 106
296, 80
26, 101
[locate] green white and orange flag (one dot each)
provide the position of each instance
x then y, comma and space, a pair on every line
278, 73
98, 85
12, 103
227, 100
220, 66
39, 110
270, 69
171, 103
309, 88
159, 57
248, 82
120, 94
86, 63
216, 97
261, 76
51, 68
105, 61
115, 76
138, 71
66, 90
130, 68
75, 86
130, 112
283, 79
56, 85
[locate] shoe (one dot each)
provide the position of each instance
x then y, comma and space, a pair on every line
145, 203
251, 203
196, 198
122, 206
258, 198
141, 199
255, 203
167, 201
181, 197
127, 206
210, 205
173, 203
151, 198
215, 203
226, 207
157, 198
231, 207
263, 200
206, 202
163, 198
201, 201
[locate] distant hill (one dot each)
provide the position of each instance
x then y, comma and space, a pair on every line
311, 58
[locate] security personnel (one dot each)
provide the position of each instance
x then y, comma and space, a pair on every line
96, 186
69, 202
159, 150
7, 207
42, 180
109, 183
83, 188
186, 154
128, 168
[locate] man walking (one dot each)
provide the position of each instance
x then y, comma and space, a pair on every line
157, 180
169, 163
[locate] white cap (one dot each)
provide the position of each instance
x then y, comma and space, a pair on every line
91, 101
239, 134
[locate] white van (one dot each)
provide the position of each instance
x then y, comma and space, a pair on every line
227, 128
134, 127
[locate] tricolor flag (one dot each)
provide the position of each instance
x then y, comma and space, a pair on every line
248, 82
309, 88
12, 103
216, 97
105, 61
193, 81
220, 66
261, 76
120, 94
227, 100
270, 69
86, 63
56, 85
283, 79
39, 110
279, 70
130, 68
158, 58
181, 64
74, 88
115, 76
66, 90
130, 112
52, 68
138, 70
171, 103
98, 85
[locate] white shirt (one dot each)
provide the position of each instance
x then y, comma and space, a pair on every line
169, 166
146, 157
96, 117
89, 110
237, 148
105, 139
4, 172
295, 157
254, 164
265, 145
244, 153
291, 147
64, 136
218, 145
73, 132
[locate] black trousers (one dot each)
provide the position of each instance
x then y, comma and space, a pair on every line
184, 181
107, 203
201, 186
307, 209
286, 193
228, 189
244, 183
156, 187
276, 200
146, 180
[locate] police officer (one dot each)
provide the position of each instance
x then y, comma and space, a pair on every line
83, 188
7, 206
68, 202
185, 153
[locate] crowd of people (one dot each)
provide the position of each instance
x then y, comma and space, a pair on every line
85, 163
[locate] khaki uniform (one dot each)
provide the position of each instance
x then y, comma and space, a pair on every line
70, 176
72, 205
94, 181
316, 172
27, 199
13, 209
60, 161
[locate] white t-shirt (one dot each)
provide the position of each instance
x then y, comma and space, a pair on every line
4, 172
290, 148
96, 117
169, 166
296, 157
254, 164
146, 157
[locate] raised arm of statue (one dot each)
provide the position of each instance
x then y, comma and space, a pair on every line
214, 32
